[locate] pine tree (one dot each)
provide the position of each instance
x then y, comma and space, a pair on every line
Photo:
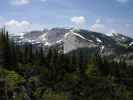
41, 56
7, 50
1, 48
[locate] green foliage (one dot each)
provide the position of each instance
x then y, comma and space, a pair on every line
12, 78
90, 69
50, 95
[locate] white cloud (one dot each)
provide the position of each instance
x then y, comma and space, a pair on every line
98, 26
78, 21
108, 28
17, 26
20, 2
122, 1
103, 27
15, 23
113, 31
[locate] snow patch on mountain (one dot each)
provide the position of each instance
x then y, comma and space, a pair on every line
131, 44
42, 38
79, 36
98, 40
102, 48
47, 44
59, 41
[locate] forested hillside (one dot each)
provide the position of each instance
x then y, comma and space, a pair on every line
27, 73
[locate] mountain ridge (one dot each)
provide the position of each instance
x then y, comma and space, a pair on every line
72, 39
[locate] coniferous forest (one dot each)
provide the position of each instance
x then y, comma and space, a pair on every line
27, 73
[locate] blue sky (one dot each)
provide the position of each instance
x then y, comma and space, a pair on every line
98, 15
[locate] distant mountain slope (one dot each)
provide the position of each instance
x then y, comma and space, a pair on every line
72, 39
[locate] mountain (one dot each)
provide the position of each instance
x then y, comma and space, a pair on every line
73, 39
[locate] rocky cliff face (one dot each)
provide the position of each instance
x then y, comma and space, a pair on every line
73, 41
